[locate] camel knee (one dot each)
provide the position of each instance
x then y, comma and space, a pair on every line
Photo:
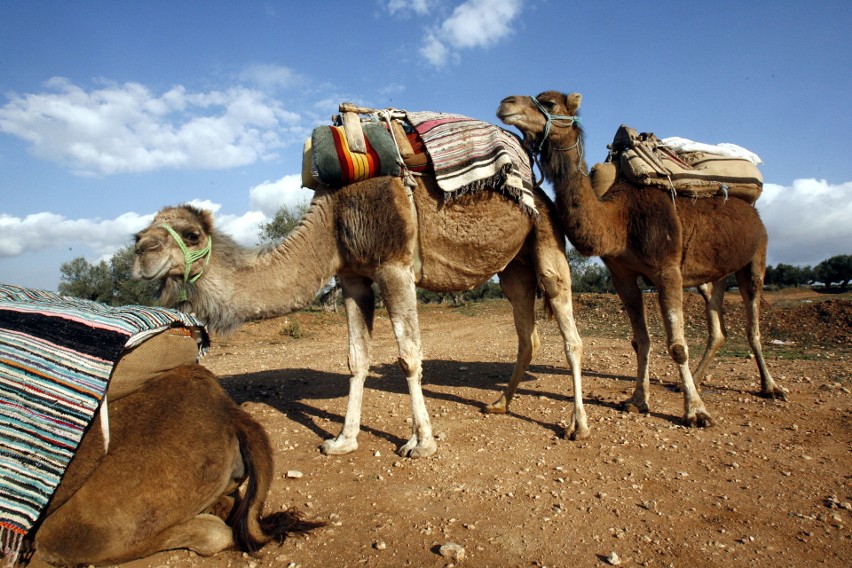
679, 353
552, 284
410, 365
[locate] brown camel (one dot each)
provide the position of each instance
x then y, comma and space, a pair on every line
673, 243
179, 450
374, 231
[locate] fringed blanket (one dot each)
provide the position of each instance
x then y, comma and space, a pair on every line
56, 358
469, 155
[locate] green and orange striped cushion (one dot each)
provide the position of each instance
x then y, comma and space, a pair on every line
335, 165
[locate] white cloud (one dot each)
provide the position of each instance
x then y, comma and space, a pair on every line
808, 221
407, 7
271, 77
270, 196
472, 24
126, 128
24, 235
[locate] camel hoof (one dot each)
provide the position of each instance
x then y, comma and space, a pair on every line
338, 447
635, 407
415, 449
699, 420
775, 393
574, 434
496, 408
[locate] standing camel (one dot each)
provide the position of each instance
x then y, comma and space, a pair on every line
366, 232
671, 242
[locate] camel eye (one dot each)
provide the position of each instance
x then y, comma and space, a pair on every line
191, 237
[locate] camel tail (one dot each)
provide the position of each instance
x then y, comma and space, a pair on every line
548, 307
251, 530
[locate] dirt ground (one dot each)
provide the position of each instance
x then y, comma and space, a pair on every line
770, 484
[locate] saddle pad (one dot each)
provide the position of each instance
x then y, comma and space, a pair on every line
333, 164
646, 161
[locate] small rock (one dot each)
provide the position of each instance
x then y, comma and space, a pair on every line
380, 545
378, 454
613, 559
452, 551
294, 474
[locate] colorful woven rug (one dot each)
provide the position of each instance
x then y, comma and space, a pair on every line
56, 357
335, 165
469, 155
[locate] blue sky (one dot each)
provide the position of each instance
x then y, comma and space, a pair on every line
111, 110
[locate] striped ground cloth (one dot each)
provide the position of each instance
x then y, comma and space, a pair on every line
469, 155
56, 357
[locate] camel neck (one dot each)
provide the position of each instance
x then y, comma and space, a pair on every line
244, 285
584, 215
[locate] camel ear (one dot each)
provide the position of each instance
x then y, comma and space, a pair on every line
573, 102
206, 219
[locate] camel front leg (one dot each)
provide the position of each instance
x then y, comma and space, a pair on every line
670, 292
359, 303
400, 296
631, 296
518, 284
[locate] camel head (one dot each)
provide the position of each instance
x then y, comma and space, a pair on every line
175, 246
550, 115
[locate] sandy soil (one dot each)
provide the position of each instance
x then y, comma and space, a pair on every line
770, 484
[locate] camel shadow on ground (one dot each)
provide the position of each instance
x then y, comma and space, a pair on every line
298, 392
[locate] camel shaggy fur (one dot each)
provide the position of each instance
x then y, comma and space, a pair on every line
179, 451
377, 231
671, 242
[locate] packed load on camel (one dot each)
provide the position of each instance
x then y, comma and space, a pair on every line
464, 154
684, 167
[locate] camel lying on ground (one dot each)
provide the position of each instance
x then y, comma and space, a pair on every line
366, 232
671, 242
179, 451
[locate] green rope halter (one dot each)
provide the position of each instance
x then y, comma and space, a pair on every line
569, 120
189, 257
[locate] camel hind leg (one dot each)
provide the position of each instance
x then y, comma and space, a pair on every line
555, 282
518, 284
359, 303
750, 280
396, 283
714, 295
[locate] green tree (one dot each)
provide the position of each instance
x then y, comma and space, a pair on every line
837, 269
285, 220
787, 275
80, 279
587, 275
109, 283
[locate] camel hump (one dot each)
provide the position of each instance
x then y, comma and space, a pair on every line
603, 176
688, 168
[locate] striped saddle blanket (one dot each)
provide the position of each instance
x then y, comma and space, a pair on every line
57, 357
465, 155
470, 155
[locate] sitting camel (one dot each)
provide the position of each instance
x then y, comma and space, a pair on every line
179, 450
673, 242
371, 231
